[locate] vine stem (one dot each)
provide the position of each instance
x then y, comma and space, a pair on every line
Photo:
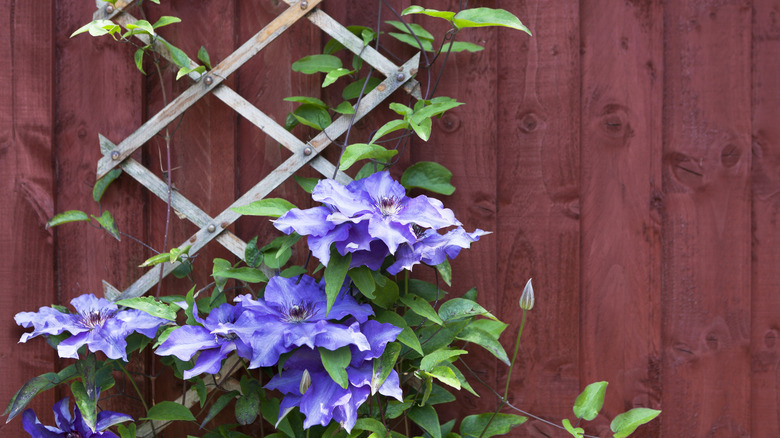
514, 357
137, 391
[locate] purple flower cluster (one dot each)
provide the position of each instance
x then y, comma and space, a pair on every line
69, 426
372, 218
97, 323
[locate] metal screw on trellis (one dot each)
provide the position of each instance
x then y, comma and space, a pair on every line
304, 4
109, 9
307, 151
209, 80
400, 77
211, 228
115, 155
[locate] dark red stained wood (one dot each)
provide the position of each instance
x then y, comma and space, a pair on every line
537, 227
621, 188
765, 178
707, 234
26, 187
97, 91
265, 81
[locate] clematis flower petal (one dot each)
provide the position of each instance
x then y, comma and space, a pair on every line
309, 222
185, 341
71, 425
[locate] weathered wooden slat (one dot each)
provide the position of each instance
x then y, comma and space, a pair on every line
271, 181
620, 196
179, 203
706, 219
199, 89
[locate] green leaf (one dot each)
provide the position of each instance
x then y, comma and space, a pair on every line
65, 217
428, 291
138, 57
107, 222
166, 20
184, 71
367, 170
445, 270
392, 125
352, 91
316, 63
426, 418
252, 255
247, 408
384, 365
463, 382
475, 426
87, 404
306, 99
422, 129
372, 425
33, 387
421, 307
250, 275
386, 293
218, 406
407, 336
364, 281
200, 388
335, 363
445, 375
203, 56
590, 401
480, 17
430, 176
493, 327
427, 44
416, 28
395, 409
461, 46
429, 361
156, 259
344, 108
333, 76
272, 207
575, 432
126, 431
150, 306
219, 265
307, 184
141, 26
458, 308
179, 58
335, 273
98, 28
434, 109
626, 423
362, 151
169, 411
484, 340
312, 116
447, 15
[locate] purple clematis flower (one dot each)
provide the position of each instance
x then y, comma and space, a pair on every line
324, 400
369, 218
292, 314
71, 426
433, 248
97, 323
215, 340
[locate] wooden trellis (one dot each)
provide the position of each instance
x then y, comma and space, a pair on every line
215, 228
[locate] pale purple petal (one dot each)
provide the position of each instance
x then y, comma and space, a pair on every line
89, 303
34, 427
341, 198
62, 417
390, 232
106, 419
140, 322
311, 221
185, 341
47, 321
69, 347
209, 361
320, 245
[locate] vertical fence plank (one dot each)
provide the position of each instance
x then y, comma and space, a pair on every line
26, 190
537, 229
98, 90
765, 179
621, 185
707, 222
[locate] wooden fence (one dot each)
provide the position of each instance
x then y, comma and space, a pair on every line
625, 157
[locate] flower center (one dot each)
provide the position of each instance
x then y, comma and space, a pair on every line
299, 312
388, 205
73, 435
96, 318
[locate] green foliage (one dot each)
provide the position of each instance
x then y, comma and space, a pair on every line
169, 411
335, 273
150, 306
362, 151
475, 17
106, 222
65, 217
272, 207
626, 423
590, 401
488, 425
430, 176
335, 363
102, 184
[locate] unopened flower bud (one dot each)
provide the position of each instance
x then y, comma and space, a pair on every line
527, 298
305, 382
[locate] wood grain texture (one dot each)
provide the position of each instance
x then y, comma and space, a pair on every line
621, 193
98, 90
765, 184
706, 221
538, 228
26, 190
